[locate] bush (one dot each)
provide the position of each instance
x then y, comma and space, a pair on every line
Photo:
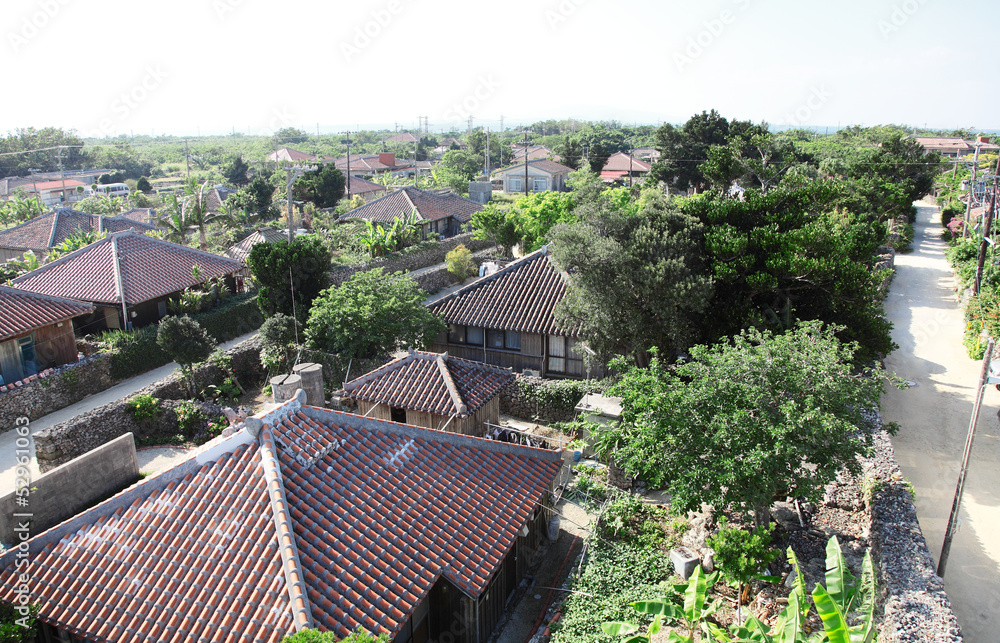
132, 352
237, 316
553, 399
956, 209
461, 265
314, 636
189, 418
144, 407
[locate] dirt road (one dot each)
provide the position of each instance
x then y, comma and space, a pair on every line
934, 419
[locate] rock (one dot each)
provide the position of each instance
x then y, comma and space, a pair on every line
708, 561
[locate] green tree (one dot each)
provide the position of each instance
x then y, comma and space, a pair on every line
289, 275
20, 208
526, 222
289, 135
637, 279
255, 199
143, 185
235, 171
195, 212
186, 342
758, 160
683, 149
460, 167
315, 636
746, 421
492, 224
16, 627
323, 186
279, 340
788, 255
101, 204
570, 152
461, 265
76, 240
372, 315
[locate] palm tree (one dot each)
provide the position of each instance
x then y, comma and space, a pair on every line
173, 222
76, 240
195, 210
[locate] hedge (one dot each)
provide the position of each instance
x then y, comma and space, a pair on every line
133, 352
238, 316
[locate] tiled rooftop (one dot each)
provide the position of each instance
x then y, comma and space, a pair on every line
48, 230
241, 250
427, 205
521, 297
150, 268
22, 311
431, 382
327, 520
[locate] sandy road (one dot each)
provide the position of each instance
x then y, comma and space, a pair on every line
934, 418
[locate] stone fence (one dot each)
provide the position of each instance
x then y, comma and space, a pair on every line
540, 400
61, 443
39, 396
410, 261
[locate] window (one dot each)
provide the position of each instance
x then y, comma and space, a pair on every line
539, 185
507, 340
514, 184
494, 338
456, 334
474, 336
565, 356
397, 415
161, 309
513, 340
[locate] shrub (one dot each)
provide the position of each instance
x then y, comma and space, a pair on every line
949, 212
279, 336
144, 407
461, 265
186, 342
131, 352
314, 636
189, 418
237, 316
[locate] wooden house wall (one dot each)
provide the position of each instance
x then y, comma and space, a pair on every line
381, 411
55, 345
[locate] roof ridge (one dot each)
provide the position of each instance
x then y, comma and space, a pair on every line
38, 295
298, 597
63, 259
52, 232
460, 407
378, 372
479, 283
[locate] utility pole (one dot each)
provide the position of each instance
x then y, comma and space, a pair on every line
348, 177
987, 225
957, 502
972, 193
501, 123
525, 162
62, 175
487, 168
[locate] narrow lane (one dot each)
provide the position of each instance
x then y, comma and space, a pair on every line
934, 418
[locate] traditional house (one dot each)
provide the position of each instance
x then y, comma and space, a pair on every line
362, 165
542, 176
403, 138
507, 319
35, 332
365, 189
129, 277
437, 214
289, 155
241, 250
434, 390
307, 518
142, 215
622, 167
56, 192
44, 232
534, 153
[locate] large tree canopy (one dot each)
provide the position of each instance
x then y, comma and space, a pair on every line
637, 278
323, 186
281, 269
746, 421
372, 315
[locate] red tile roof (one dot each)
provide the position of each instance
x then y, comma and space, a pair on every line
21, 311
431, 382
241, 250
402, 137
520, 297
427, 205
370, 164
50, 229
361, 186
619, 162
53, 185
288, 154
329, 521
150, 268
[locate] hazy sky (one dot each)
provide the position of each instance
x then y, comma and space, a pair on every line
208, 66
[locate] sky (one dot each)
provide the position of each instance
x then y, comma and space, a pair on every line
190, 67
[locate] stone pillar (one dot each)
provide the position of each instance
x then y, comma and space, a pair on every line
283, 387
312, 382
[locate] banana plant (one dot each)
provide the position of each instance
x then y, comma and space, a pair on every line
691, 617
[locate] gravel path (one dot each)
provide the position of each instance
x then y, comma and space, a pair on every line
934, 419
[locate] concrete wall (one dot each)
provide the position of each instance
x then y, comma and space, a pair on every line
66, 490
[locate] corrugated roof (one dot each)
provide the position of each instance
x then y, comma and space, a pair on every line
22, 311
431, 382
150, 268
520, 297
368, 515
428, 206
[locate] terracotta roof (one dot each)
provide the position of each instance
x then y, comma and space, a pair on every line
542, 164
402, 137
241, 250
53, 185
215, 197
431, 382
150, 268
370, 164
21, 311
51, 229
520, 297
288, 154
141, 215
535, 152
328, 520
361, 186
619, 162
428, 206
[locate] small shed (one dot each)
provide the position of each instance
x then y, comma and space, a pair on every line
432, 390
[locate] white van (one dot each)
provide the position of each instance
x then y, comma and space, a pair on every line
112, 190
